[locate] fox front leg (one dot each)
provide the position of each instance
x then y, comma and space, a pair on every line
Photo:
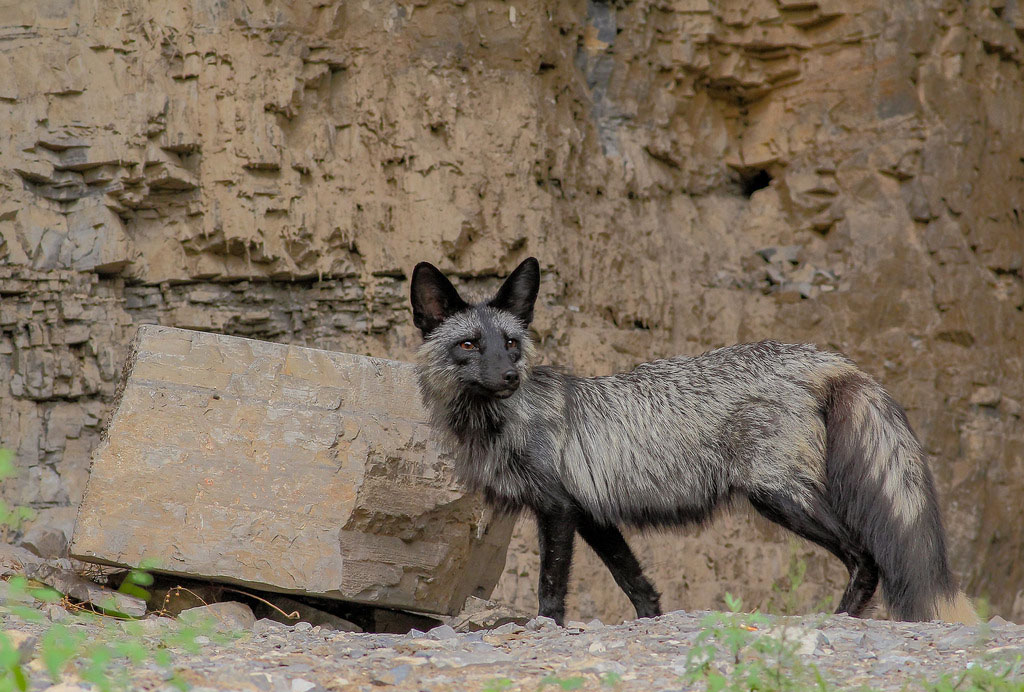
556, 531
609, 544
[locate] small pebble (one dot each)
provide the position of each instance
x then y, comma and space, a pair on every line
442, 632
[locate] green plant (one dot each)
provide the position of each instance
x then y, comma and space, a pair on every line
785, 599
98, 657
11, 518
755, 658
982, 678
138, 578
104, 655
12, 674
571, 683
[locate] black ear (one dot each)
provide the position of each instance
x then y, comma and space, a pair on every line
434, 299
519, 292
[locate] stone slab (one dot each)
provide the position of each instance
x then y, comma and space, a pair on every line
285, 468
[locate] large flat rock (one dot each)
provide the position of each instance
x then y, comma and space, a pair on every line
285, 468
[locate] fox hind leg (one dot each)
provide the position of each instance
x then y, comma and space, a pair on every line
862, 585
810, 517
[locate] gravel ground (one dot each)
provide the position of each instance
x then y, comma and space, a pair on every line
648, 654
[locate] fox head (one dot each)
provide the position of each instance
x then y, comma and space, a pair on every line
482, 348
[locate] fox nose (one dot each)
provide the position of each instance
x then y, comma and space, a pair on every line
511, 378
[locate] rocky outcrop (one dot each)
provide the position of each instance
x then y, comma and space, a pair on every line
691, 174
284, 468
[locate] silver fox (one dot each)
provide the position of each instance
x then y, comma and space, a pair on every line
810, 440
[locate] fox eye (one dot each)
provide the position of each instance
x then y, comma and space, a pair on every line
511, 343
468, 346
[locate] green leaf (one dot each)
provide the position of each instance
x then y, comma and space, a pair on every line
179, 682
132, 649
133, 590
87, 618
496, 685
96, 673
140, 577
19, 678
100, 655
185, 638
132, 628
59, 645
17, 586
7, 464
568, 684
9, 656
27, 614
45, 594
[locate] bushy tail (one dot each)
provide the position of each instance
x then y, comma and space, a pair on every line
880, 484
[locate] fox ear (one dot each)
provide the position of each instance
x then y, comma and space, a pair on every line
434, 299
519, 292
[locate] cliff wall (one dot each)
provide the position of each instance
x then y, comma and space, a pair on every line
691, 173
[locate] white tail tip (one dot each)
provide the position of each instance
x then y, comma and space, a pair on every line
957, 609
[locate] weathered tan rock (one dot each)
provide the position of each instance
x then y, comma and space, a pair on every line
17, 560
68, 583
225, 615
479, 614
286, 468
96, 241
45, 542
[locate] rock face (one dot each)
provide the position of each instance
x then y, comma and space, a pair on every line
286, 468
690, 173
